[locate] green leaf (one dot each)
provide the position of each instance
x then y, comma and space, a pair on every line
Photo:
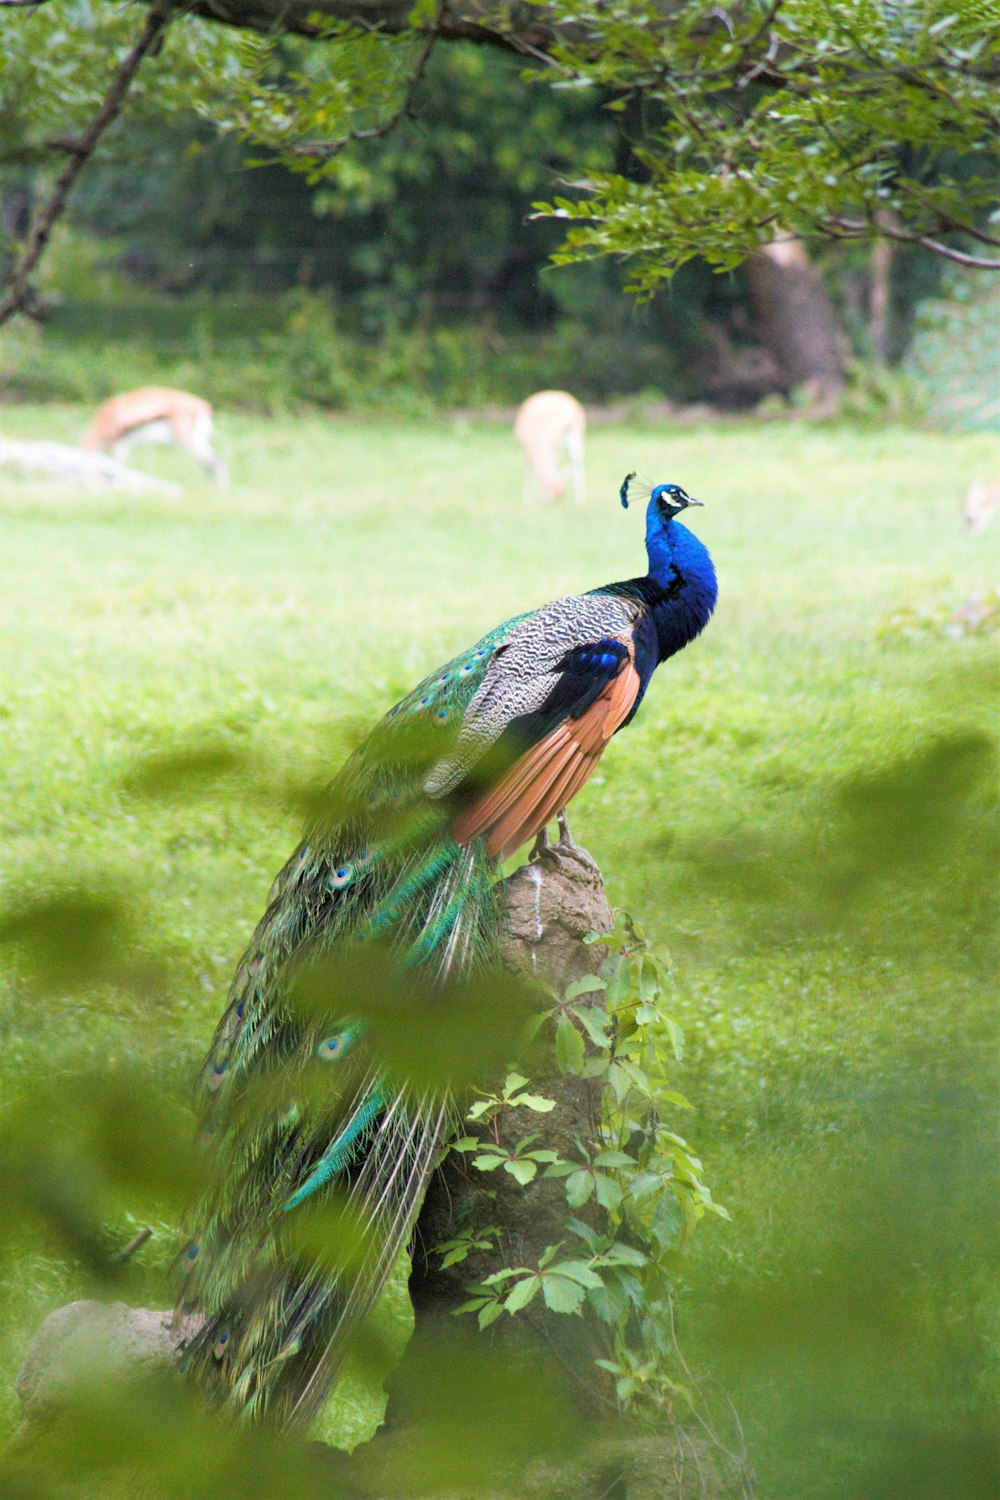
644, 1183
638, 1078
649, 981
578, 1271
585, 986
612, 1158
534, 1025
499, 1277
619, 1081
676, 1036
594, 1067
521, 1293
537, 1102
489, 1314
668, 1222
560, 1168
471, 1306
579, 1188
609, 1194
624, 1255
561, 1295
609, 1303
569, 1046
488, 1162
585, 1232
596, 1023
522, 1171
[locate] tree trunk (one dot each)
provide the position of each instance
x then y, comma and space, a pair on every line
879, 300
796, 320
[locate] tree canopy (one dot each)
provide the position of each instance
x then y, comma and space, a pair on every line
853, 120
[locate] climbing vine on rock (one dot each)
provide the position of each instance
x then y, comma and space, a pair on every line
633, 1194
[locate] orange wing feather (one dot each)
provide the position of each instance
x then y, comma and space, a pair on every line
543, 780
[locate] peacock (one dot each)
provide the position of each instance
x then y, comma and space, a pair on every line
396, 879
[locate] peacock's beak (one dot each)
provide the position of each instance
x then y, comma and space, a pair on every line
692, 501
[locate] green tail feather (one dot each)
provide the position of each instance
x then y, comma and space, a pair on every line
299, 1120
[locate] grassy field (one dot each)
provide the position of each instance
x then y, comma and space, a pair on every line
799, 815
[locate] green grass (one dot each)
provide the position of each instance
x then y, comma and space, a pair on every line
798, 815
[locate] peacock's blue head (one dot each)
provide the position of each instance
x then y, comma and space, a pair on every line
665, 501
669, 500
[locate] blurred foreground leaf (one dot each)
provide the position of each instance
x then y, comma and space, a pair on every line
78, 1151
182, 774
885, 1279
467, 1417
425, 1035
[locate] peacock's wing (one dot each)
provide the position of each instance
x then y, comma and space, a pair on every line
557, 689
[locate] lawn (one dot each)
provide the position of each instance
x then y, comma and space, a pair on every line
799, 815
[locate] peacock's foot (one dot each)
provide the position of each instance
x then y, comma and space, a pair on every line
565, 848
540, 848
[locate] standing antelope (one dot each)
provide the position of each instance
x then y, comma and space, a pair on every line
156, 414
550, 425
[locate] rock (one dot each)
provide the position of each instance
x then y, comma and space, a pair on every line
80, 466
551, 907
85, 1337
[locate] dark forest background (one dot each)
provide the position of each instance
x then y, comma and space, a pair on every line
418, 274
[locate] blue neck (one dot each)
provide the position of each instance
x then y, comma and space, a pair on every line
681, 567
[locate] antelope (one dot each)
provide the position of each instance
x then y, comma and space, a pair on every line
980, 503
550, 425
156, 414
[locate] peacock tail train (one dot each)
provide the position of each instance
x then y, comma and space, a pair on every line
319, 1139
290, 1096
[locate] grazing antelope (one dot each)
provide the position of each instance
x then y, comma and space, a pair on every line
980, 503
156, 414
550, 425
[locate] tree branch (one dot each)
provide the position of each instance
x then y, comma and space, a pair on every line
948, 252
947, 220
854, 229
511, 27
135, 1243
19, 295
